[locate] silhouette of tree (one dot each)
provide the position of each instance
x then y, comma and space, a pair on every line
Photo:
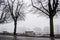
50, 10
17, 13
2, 14
13, 8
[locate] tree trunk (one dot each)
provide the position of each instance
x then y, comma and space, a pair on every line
51, 27
15, 24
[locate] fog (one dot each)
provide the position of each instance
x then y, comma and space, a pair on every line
32, 23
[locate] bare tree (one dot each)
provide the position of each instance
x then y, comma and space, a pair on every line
15, 14
51, 11
14, 10
2, 14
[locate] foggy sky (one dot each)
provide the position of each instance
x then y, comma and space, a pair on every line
31, 22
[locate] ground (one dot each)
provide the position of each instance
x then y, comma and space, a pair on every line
7, 37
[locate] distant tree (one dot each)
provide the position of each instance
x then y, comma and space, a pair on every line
50, 10
14, 10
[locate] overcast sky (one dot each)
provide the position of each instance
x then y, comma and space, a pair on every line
31, 22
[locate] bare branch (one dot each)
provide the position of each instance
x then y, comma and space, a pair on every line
56, 5
12, 1
21, 6
10, 10
53, 4
18, 9
16, 12
3, 16
43, 6
3, 12
39, 8
57, 10
49, 5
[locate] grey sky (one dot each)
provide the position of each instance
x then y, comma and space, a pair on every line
31, 21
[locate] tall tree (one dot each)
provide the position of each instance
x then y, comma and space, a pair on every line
14, 9
15, 14
51, 11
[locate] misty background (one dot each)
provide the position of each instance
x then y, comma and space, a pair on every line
32, 22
